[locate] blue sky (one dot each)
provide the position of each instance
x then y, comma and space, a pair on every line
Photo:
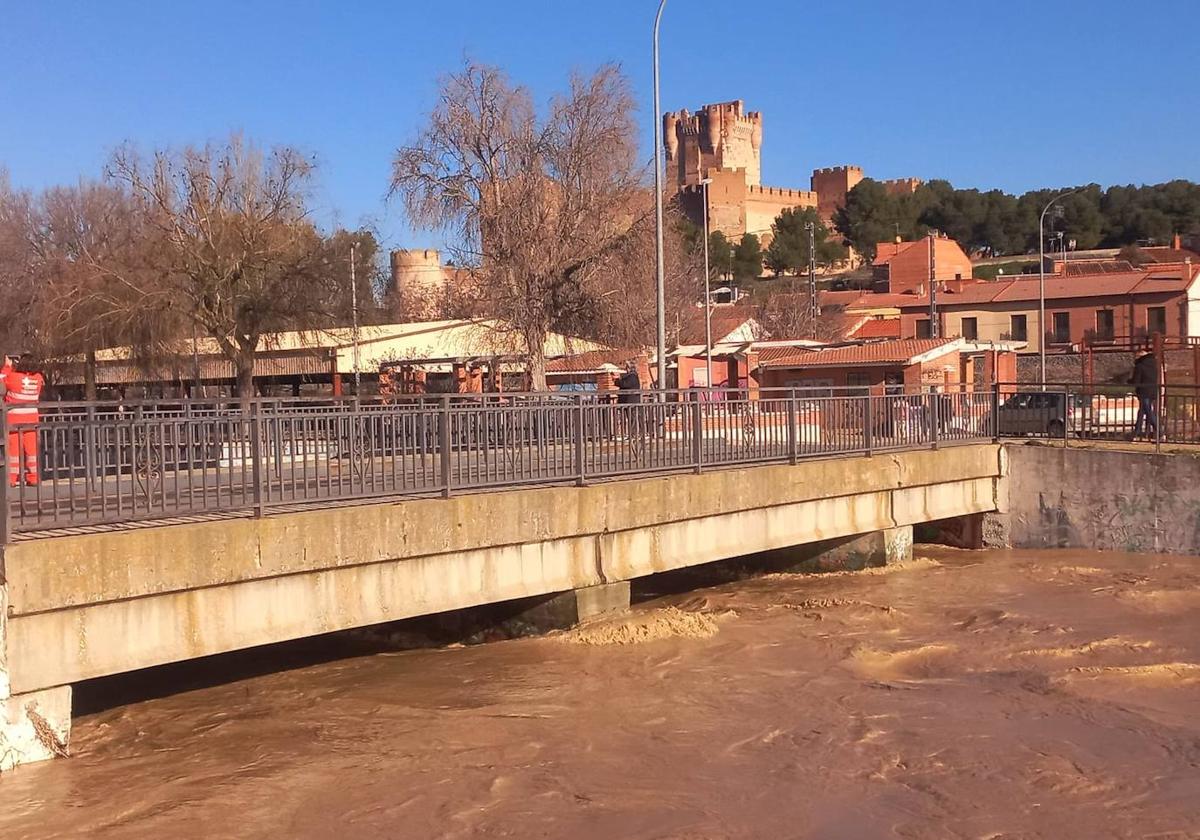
1012, 94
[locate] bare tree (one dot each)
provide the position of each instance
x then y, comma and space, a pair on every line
538, 208
789, 316
239, 257
66, 253
17, 265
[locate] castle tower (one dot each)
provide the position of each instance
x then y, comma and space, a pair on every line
831, 186
417, 278
720, 136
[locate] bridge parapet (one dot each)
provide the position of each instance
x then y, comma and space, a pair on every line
107, 464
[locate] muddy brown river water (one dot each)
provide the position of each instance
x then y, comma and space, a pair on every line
963, 695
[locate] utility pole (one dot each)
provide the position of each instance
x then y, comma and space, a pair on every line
934, 332
814, 306
704, 182
660, 282
354, 328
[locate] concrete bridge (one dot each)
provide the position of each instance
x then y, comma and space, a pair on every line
105, 601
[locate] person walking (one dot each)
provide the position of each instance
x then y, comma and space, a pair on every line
1145, 381
629, 395
22, 390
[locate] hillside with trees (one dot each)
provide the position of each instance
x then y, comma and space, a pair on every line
995, 222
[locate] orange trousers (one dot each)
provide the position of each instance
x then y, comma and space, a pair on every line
22, 447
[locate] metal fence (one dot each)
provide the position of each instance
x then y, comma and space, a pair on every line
1064, 412
105, 463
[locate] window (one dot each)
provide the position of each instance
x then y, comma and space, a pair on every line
923, 328
1062, 328
1104, 324
1156, 319
1018, 327
970, 329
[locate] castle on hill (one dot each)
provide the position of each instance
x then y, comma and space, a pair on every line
723, 142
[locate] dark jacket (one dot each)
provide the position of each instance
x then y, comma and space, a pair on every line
629, 381
1145, 377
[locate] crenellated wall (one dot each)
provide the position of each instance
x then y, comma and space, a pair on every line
832, 184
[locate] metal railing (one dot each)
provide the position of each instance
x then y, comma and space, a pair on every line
106, 463
1066, 411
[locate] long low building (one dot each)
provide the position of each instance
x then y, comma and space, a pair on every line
313, 361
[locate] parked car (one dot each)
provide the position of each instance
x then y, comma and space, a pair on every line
1041, 413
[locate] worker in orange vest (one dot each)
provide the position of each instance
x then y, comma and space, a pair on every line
22, 390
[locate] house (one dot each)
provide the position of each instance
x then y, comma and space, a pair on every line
904, 267
1106, 307
905, 363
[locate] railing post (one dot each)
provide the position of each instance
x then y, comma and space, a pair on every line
868, 424
697, 432
580, 449
934, 404
444, 444
256, 458
1066, 416
793, 444
1160, 416
995, 413
90, 447
5, 497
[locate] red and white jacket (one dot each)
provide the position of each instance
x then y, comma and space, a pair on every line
21, 394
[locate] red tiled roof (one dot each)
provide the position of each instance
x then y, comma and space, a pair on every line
1085, 267
1094, 285
846, 298
885, 251
900, 352
887, 300
591, 361
725, 320
1164, 254
878, 328
1057, 288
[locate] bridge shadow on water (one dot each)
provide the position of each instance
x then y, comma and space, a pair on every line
470, 626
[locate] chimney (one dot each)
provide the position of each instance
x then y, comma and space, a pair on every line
1177, 244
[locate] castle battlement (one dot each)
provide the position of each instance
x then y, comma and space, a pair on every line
839, 170
783, 193
902, 186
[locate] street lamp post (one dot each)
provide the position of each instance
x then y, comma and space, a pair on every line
659, 290
1042, 281
704, 182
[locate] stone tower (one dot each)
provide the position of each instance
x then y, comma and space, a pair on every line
723, 136
832, 185
417, 271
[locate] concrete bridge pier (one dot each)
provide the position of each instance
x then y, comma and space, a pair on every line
35, 725
878, 548
566, 609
